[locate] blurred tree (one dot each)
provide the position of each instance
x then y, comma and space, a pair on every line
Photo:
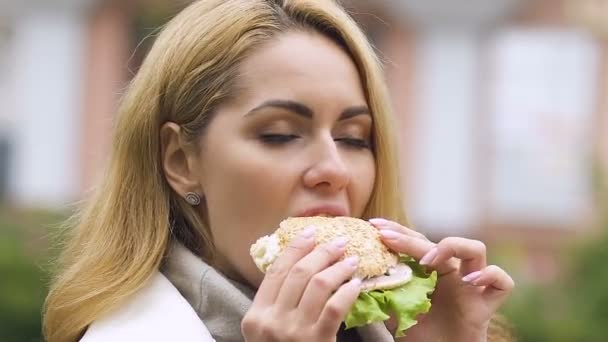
576, 307
587, 290
24, 254
573, 309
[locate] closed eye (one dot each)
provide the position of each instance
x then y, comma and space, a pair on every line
354, 142
281, 139
277, 139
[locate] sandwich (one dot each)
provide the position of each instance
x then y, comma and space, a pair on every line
392, 284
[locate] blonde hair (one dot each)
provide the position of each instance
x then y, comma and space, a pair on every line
120, 237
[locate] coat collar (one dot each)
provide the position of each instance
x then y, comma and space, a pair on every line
157, 312
218, 301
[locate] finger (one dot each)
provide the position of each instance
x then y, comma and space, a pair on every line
276, 273
337, 307
422, 250
382, 224
492, 276
472, 254
498, 283
322, 285
300, 274
414, 247
406, 244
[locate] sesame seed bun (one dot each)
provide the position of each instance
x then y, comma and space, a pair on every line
375, 258
363, 240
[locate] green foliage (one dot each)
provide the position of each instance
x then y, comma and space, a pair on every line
573, 309
23, 260
587, 290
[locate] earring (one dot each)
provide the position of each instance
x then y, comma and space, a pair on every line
193, 198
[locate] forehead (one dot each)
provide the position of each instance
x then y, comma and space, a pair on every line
304, 66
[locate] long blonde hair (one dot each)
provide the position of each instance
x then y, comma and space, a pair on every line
118, 240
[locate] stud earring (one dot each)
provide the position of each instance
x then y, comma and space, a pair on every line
193, 198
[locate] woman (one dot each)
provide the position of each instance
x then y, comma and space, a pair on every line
246, 112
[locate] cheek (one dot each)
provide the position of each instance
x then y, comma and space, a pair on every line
242, 182
363, 179
247, 193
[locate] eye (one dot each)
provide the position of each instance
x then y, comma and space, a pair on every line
354, 142
277, 139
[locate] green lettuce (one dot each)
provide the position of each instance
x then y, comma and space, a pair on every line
405, 302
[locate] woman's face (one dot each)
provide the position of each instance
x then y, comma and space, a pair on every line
296, 142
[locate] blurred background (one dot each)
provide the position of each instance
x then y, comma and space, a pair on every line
502, 114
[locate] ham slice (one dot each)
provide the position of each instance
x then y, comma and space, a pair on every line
396, 276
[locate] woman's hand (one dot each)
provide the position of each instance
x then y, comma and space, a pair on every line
303, 296
468, 291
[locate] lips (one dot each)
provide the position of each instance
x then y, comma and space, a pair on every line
324, 210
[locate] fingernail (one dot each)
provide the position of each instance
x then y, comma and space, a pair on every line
428, 258
389, 234
308, 232
352, 261
340, 242
378, 221
471, 276
356, 282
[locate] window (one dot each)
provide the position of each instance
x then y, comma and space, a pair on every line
542, 111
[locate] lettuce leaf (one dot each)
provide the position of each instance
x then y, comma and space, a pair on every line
406, 302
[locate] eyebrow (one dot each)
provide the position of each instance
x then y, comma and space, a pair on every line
305, 111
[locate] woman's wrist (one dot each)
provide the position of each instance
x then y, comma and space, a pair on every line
427, 332
468, 334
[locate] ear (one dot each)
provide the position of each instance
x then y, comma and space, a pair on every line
179, 161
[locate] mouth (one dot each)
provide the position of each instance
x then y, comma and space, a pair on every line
328, 210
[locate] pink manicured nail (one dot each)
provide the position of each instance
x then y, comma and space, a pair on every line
389, 234
352, 261
340, 242
308, 232
428, 258
378, 222
471, 277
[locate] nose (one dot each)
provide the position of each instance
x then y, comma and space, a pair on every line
328, 172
